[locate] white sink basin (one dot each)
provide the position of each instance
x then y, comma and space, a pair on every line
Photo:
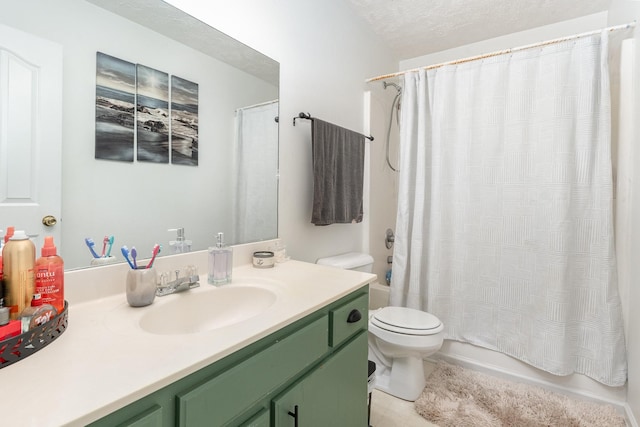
191, 312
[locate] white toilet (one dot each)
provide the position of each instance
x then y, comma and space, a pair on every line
399, 337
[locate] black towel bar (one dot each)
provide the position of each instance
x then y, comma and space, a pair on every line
308, 117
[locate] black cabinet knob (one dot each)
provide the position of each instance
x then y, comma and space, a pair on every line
354, 316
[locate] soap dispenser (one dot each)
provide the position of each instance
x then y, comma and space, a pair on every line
220, 262
180, 245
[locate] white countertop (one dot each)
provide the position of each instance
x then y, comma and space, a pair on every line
100, 363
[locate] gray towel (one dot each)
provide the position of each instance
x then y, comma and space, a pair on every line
338, 170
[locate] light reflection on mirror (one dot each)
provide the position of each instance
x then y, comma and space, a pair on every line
234, 187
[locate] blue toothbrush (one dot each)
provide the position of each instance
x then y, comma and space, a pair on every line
90, 243
125, 253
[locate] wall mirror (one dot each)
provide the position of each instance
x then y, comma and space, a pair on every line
232, 189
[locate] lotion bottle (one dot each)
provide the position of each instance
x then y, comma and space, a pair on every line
220, 262
18, 259
49, 272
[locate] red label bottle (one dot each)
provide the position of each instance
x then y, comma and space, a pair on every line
49, 272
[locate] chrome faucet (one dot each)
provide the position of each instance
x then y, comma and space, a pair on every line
189, 281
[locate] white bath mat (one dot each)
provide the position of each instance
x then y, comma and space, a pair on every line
458, 397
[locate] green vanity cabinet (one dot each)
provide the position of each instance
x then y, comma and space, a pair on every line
318, 363
218, 400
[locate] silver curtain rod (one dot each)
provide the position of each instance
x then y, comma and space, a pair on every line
503, 52
260, 104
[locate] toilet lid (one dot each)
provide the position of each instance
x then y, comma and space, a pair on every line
405, 320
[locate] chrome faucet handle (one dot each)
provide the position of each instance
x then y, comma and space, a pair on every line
189, 280
390, 238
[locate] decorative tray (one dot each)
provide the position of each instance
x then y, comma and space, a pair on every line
24, 345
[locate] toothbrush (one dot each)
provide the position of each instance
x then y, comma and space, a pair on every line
111, 239
134, 255
90, 243
156, 251
104, 245
125, 253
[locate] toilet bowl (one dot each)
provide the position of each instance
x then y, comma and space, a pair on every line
399, 337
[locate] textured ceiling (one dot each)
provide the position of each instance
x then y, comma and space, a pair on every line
418, 27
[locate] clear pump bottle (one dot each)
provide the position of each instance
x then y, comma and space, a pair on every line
220, 262
180, 245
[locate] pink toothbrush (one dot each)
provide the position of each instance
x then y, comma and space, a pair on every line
156, 251
104, 245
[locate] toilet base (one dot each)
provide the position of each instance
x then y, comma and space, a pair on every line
404, 379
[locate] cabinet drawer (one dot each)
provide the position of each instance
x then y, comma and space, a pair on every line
341, 326
219, 399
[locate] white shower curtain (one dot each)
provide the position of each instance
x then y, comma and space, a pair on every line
504, 226
255, 214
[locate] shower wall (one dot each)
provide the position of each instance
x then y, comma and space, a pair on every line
383, 194
624, 11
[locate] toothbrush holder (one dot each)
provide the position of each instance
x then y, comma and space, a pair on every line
103, 261
141, 286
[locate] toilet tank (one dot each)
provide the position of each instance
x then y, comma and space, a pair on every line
350, 261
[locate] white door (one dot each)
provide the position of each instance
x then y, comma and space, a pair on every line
30, 134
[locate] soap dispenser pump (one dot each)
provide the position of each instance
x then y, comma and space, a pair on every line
220, 262
180, 245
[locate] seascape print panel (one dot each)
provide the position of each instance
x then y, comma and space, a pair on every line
184, 122
115, 108
152, 116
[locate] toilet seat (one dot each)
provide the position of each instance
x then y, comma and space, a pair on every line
406, 321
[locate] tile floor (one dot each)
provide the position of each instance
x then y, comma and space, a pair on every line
389, 411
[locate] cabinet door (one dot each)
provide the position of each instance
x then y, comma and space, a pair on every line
333, 394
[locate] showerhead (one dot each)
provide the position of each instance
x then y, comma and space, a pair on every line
398, 88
